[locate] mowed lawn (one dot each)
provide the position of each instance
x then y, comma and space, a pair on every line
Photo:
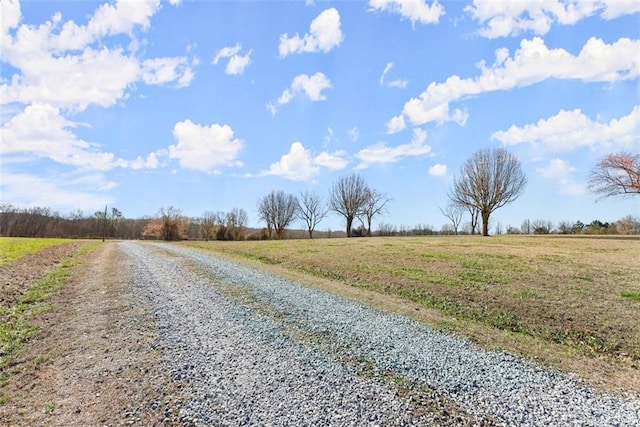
577, 294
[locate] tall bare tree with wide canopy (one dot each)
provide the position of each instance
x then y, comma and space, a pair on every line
347, 197
488, 180
278, 210
616, 174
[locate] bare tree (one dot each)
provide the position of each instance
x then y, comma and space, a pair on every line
237, 220
208, 224
488, 180
347, 197
311, 210
374, 204
526, 227
386, 229
616, 174
454, 213
278, 210
564, 227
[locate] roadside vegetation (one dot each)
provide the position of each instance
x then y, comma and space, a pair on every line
558, 299
20, 306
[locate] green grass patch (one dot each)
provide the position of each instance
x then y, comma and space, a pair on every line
14, 248
634, 296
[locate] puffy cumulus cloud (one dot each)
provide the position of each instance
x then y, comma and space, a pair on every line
41, 132
532, 63
73, 66
237, 63
324, 34
310, 86
414, 10
508, 18
205, 148
572, 129
438, 170
300, 165
561, 173
97, 77
57, 192
398, 83
381, 153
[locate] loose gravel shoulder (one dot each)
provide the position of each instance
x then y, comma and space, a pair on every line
248, 348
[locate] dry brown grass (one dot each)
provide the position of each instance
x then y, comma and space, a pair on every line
566, 301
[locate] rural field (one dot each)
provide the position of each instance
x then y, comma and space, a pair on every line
571, 302
182, 333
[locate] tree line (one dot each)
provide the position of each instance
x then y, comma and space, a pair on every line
488, 180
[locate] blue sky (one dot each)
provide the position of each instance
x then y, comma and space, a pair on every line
210, 105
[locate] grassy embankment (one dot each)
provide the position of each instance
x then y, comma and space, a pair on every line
17, 314
569, 302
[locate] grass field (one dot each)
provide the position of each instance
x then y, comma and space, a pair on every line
13, 248
560, 299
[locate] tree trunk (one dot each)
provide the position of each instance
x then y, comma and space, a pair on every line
485, 223
349, 222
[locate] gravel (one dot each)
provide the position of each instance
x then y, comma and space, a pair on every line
249, 348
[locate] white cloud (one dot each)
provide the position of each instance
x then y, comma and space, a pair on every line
396, 124
438, 170
41, 132
533, 62
296, 165
227, 52
399, 83
380, 153
571, 129
310, 86
11, 14
333, 161
237, 63
271, 108
164, 70
56, 192
205, 148
414, 10
353, 134
300, 165
324, 34
69, 65
509, 18
560, 172
152, 161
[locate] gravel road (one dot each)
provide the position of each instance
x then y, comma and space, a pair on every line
249, 348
